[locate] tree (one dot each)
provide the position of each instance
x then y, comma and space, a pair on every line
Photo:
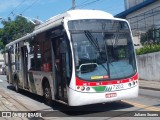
14, 29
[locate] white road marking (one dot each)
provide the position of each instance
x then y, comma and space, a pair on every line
1, 80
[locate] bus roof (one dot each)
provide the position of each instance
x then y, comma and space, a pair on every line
69, 15
78, 14
85, 14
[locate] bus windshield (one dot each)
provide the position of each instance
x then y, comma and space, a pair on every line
103, 51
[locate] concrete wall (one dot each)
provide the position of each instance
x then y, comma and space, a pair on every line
149, 66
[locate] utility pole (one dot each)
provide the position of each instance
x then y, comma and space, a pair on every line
73, 4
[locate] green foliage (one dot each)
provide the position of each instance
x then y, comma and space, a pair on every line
14, 29
148, 49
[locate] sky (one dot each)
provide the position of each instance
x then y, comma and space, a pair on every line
45, 9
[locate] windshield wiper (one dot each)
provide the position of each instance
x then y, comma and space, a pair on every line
92, 40
95, 44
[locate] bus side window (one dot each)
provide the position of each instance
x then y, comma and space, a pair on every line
31, 56
38, 58
46, 59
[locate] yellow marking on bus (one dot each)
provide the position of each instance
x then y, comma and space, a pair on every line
142, 106
96, 77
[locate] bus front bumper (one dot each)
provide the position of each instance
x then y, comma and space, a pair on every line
76, 98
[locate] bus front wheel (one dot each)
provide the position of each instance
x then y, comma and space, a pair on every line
47, 94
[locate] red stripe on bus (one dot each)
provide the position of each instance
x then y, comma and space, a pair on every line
80, 82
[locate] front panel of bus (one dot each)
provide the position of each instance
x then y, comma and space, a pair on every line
104, 58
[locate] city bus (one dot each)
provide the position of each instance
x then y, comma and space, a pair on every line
77, 58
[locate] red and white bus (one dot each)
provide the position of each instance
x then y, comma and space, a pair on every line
79, 57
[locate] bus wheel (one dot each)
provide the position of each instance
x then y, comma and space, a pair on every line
16, 85
47, 94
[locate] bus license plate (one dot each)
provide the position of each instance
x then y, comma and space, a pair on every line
110, 95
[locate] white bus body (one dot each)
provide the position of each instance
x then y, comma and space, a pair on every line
79, 57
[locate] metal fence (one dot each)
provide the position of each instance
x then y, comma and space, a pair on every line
147, 24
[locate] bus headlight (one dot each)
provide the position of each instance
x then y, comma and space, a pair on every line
129, 84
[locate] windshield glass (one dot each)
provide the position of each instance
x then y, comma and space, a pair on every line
103, 54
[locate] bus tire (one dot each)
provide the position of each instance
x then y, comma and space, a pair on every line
16, 85
47, 94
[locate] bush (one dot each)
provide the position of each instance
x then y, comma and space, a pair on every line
148, 49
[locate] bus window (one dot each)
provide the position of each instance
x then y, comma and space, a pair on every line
34, 56
31, 56
46, 59
38, 57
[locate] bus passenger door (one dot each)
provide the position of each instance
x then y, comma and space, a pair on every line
24, 52
9, 67
60, 68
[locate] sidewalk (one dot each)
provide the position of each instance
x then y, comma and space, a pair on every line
147, 84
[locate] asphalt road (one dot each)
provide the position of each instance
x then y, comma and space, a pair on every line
148, 101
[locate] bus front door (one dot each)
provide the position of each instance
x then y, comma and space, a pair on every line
60, 69
24, 52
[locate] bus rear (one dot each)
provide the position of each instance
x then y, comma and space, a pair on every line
104, 62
